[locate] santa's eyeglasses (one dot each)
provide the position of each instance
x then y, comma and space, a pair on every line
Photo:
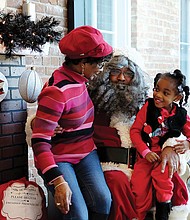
117, 72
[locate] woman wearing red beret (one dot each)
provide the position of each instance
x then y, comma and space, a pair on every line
68, 162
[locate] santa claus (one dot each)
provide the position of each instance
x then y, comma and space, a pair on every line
118, 93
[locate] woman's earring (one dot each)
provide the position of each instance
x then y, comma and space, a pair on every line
82, 69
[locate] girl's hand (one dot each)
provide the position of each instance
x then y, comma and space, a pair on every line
182, 146
152, 157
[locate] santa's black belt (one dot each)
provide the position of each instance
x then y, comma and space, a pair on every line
116, 155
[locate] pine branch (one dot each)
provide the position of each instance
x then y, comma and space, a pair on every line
17, 32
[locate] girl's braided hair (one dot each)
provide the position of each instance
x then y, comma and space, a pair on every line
180, 82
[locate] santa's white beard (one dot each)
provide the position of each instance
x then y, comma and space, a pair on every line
118, 98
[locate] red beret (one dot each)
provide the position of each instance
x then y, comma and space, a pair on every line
84, 41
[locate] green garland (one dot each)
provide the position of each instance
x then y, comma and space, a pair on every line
17, 32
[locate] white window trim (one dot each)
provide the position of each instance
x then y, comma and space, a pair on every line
186, 43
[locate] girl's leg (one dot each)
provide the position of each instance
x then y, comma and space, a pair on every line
164, 190
93, 186
141, 185
163, 185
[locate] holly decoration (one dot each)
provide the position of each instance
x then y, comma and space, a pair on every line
17, 32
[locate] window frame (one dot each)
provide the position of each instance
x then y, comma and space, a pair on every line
121, 26
185, 41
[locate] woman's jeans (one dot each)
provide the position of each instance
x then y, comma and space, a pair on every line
90, 193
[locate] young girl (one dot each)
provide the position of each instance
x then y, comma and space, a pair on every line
159, 119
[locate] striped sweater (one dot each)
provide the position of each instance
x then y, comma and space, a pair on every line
64, 101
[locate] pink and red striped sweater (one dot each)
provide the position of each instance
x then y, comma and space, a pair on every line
64, 101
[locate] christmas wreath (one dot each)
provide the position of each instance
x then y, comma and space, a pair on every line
17, 32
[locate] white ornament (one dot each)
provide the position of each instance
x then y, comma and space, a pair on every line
30, 85
3, 86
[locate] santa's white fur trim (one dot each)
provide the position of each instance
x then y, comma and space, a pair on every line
108, 166
122, 124
179, 212
28, 129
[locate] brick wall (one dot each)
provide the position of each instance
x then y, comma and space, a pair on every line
156, 33
13, 148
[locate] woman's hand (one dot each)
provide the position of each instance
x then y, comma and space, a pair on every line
62, 196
